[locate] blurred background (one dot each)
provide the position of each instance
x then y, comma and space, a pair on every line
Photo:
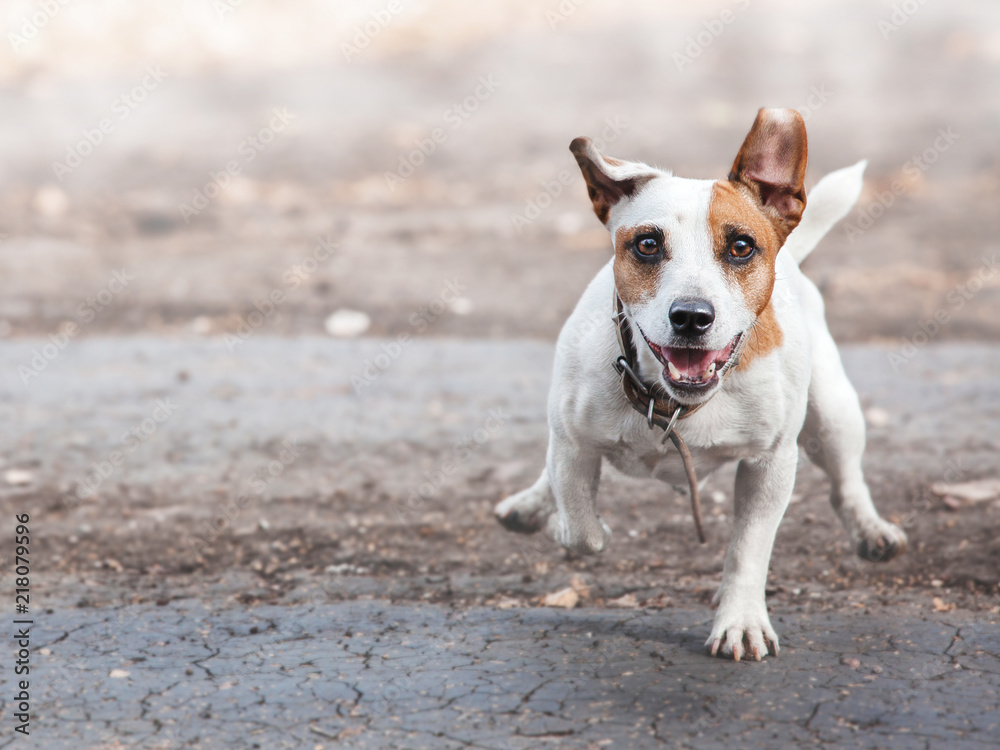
675, 84
241, 206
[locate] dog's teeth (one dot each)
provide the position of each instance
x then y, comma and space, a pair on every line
674, 372
710, 371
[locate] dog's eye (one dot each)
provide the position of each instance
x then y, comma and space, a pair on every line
648, 245
742, 248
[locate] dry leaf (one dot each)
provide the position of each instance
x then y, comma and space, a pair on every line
951, 503
508, 602
941, 606
580, 587
977, 491
628, 601
661, 601
566, 598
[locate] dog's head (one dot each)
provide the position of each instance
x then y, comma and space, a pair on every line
694, 259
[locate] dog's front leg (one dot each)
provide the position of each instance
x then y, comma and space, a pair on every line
574, 470
763, 489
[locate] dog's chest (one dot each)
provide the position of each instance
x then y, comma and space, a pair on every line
715, 438
650, 458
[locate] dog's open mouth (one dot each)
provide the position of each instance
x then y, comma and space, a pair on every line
693, 369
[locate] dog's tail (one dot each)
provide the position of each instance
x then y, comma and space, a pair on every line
827, 204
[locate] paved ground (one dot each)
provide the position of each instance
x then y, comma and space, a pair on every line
377, 675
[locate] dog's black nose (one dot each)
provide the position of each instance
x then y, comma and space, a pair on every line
691, 316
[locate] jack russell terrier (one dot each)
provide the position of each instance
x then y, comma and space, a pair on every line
703, 329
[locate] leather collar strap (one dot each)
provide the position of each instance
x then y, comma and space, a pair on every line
652, 401
655, 405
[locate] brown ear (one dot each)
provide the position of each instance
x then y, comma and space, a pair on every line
772, 164
608, 180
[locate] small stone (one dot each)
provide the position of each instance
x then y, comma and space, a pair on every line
346, 324
50, 201
877, 417
118, 674
850, 662
462, 306
18, 477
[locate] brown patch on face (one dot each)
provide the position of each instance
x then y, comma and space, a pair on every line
635, 279
734, 211
764, 337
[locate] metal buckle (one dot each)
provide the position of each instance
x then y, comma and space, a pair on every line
670, 425
623, 367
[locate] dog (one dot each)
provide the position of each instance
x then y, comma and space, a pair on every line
703, 327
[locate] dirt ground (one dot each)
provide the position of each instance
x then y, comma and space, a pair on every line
495, 212
198, 511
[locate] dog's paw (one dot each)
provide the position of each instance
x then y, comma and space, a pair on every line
589, 539
881, 542
514, 519
742, 631
526, 512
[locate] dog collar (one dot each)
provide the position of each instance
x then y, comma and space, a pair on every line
654, 403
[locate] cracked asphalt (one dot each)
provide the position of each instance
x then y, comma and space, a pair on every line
376, 675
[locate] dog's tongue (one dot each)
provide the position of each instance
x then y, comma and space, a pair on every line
691, 363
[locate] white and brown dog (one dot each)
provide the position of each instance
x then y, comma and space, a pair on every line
721, 328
